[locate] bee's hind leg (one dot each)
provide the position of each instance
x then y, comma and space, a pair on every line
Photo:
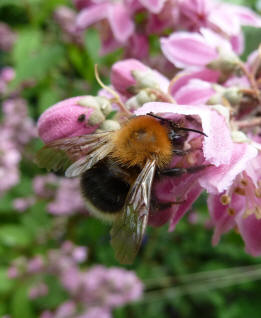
176, 172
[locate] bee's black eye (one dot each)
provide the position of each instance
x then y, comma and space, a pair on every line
177, 139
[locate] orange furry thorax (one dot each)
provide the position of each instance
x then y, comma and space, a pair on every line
142, 138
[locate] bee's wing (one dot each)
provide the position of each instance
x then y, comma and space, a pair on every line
60, 154
87, 162
129, 227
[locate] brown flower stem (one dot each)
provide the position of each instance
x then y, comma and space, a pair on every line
251, 80
248, 123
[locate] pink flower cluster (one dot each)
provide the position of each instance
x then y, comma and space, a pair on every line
94, 291
16, 130
129, 24
7, 37
220, 97
62, 195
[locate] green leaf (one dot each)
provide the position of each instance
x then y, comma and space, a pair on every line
14, 236
37, 65
6, 283
29, 41
20, 304
47, 98
252, 37
10, 2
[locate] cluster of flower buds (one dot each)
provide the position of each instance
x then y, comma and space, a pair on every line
223, 104
129, 24
94, 291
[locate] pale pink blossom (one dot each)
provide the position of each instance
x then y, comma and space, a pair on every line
186, 49
117, 16
216, 149
239, 205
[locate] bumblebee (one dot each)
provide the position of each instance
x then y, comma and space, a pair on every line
117, 170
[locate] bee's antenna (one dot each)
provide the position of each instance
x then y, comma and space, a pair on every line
111, 91
176, 127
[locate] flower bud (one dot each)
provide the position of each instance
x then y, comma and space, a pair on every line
122, 74
96, 117
110, 125
66, 119
138, 100
227, 61
145, 79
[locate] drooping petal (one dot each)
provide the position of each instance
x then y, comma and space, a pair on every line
121, 24
250, 230
91, 15
222, 220
191, 196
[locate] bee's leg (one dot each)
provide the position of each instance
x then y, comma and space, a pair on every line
180, 152
176, 172
157, 205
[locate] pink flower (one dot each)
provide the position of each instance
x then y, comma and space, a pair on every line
38, 290
7, 37
116, 14
186, 49
96, 312
216, 149
68, 199
239, 206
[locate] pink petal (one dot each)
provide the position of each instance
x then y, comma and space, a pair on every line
245, 15
138, 46
195, 92
91, 15
219, 179
185, 49
121, 24
61, 120
108, 41
238, 43
217, 147
182, 78
192, 196
220, 217
153, 6
225, 20
250, 230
